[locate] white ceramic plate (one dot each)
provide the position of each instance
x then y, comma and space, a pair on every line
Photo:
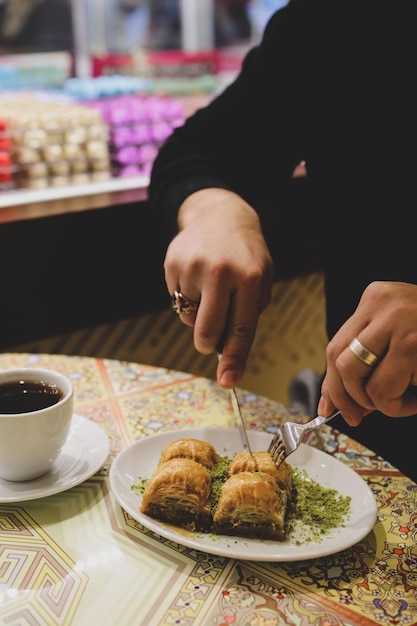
139, 460
85, 451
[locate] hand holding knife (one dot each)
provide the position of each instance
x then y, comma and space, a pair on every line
182, 305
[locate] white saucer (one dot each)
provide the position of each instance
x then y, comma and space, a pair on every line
84, 453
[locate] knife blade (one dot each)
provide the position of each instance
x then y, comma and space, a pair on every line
239, 420
239, 417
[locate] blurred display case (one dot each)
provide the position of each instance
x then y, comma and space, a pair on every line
189, 48
94, 28
85, 253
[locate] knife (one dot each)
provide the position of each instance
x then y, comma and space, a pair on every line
239, 417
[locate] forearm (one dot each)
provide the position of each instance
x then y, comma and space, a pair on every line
226, 145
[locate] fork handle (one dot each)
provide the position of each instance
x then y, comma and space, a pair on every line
317, 421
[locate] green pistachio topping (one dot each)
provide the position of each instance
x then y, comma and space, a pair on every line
315, 510
219, 475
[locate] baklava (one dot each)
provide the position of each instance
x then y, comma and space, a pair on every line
251, 504
195, 449
250, 501
178, 493
263, 462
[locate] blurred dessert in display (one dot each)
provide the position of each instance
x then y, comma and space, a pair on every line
54, 143
137, 127
6, 165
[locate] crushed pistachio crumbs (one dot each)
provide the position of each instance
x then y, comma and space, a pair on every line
218, 475
313, 512
314, 509
140, 486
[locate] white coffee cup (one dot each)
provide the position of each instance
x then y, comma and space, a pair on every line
36, 408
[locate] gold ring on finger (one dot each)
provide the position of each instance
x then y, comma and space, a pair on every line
363, 354
182, 304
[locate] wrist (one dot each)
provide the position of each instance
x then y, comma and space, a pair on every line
216, 203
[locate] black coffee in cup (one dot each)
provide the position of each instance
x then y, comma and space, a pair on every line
20, 396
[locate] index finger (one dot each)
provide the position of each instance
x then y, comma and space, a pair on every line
238, 337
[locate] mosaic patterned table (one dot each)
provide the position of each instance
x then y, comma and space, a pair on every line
76, 558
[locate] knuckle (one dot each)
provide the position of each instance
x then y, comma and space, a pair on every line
242, 332
331, 351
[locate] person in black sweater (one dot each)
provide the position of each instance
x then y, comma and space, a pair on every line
330, 85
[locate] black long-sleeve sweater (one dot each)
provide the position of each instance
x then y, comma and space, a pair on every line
331, 84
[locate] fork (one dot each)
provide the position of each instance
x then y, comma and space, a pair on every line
290, 434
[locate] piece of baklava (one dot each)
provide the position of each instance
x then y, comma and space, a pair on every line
178, 492
195, 449
251, 504
262, 462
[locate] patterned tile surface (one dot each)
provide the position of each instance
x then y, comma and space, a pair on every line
77, 558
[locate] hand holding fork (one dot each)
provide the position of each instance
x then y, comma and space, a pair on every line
290, 435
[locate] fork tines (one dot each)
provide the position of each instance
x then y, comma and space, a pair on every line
277, 449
